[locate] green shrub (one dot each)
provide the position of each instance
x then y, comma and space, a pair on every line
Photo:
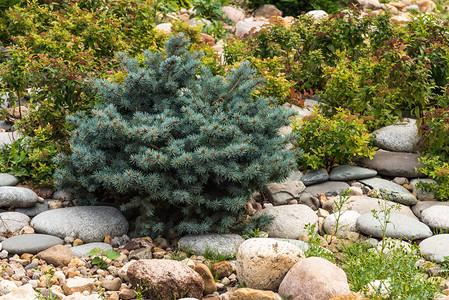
438, 170
384, 86
397, 265
327, 142
434, 132
31, 158
186, 147
61, 45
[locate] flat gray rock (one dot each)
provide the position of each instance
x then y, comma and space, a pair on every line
346, 173
12, 222
401, 137
88, 223
30, 243
17, 197
364, 205
393, 164
82, 250
329, 188
290, 220
436, 217
314, 177
35, 210
399, 227
8, 180
225, 244
391, 191
422, 205
435, 248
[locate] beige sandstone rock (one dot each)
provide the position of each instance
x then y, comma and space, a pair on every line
263, 262
58, 255
222, 269
253, 294
166, 279
25, 292
209, 282
78, 284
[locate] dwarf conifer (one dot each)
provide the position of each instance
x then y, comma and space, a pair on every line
185, 147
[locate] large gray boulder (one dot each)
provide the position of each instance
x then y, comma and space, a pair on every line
401, 137
398, 226
435, 248
393, 164
30, 243
17, 197
88, 223
290, 220
225, 244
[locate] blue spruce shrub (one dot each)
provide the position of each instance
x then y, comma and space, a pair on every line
185, 147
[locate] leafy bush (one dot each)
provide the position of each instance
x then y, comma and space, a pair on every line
61, 45
186, 147
329, 142
303, 47
384, 86
31, 158
438, 170
434, 132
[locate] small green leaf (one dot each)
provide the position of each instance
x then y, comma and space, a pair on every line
94, 251
97, 261
112, 254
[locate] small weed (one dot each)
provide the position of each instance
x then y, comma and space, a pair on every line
255, 233
49, 275
383, 218
100, 260
314, 249
339, 206
397, 266
216, 256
